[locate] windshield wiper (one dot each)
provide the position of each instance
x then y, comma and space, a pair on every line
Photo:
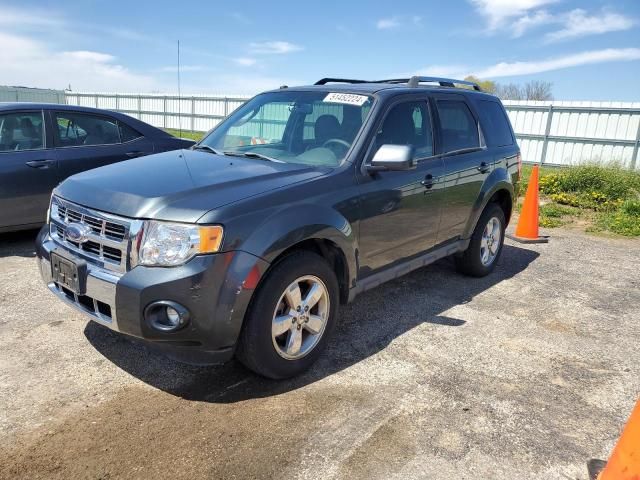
207, 148
233, 153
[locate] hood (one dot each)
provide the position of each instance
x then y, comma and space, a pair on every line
181, 185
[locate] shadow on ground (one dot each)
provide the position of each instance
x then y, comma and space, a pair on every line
366, 327
18, 244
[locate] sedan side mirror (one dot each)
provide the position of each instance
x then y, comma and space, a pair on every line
392, 157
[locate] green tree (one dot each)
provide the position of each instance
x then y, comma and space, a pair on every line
488, 86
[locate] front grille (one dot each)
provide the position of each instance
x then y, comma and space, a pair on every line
101, 227
106, 244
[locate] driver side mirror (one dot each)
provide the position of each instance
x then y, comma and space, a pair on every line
392, 157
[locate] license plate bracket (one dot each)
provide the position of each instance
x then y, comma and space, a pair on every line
69, 273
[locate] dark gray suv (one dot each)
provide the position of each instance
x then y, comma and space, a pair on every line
302, 198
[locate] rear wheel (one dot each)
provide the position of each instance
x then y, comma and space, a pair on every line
290, 317
486, 243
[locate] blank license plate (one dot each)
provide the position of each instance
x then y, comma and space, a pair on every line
67, 274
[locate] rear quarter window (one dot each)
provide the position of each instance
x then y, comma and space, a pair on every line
495, 124
127, 133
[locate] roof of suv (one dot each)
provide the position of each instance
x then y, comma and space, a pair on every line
373, 86
403, 85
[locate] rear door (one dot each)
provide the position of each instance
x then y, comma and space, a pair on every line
28, 170
86, 140
467, 162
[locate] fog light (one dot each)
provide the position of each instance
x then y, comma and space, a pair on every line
166, 316
173, 316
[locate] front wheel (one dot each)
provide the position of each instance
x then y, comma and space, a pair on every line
290, 317
486, 243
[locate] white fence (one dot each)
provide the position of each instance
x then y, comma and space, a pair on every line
195, 113
568, 133
557, 133
24, 94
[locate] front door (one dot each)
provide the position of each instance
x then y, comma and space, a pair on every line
400, 210
28, 170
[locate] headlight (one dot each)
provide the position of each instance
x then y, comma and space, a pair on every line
166, 244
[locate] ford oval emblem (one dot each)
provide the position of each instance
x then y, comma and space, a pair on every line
77, 232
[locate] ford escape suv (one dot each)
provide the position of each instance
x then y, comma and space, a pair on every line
246, 243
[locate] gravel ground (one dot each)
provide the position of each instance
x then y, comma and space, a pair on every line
527, 373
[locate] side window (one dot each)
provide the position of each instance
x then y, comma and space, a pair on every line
127, 133
495, 124
21, 131
408, 124
459, 128
77, 129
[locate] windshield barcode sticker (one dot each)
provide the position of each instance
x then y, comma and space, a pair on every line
348, 98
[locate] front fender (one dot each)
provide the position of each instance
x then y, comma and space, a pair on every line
497, 180
285, 227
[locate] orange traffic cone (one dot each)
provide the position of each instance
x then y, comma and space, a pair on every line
527, 229
624, 463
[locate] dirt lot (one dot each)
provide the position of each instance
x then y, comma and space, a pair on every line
527, 373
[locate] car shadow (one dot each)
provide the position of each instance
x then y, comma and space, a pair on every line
366, 327
18, 244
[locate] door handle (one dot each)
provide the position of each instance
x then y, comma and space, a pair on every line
41, 164
483, 167
134, 154
428, 181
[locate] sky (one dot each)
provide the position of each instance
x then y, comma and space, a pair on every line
588, 49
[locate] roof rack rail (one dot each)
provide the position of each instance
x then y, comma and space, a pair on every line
324, 81
412, 82
444, 82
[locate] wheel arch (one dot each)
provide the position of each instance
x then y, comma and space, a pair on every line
497, 188
331, 236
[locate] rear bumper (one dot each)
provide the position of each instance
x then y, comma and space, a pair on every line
212, 287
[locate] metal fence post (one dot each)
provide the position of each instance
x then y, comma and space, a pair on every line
96, 100
164, 108
547, 130
117, 102
139, 107
634, 156
193, 112
226, 106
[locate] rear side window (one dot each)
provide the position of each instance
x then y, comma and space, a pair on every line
459, 128
21, 131
495, 124
77, 129
127, 133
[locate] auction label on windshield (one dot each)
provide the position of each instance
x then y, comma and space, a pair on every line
348, 98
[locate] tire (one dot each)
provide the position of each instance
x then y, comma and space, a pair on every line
277, 341
474, 261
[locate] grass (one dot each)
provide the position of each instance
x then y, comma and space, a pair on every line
185, 134
606, 198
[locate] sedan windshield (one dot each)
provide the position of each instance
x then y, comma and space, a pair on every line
315, 128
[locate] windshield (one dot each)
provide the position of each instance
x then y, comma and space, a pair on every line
315, 128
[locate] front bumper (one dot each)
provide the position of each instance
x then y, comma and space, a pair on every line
216, 290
